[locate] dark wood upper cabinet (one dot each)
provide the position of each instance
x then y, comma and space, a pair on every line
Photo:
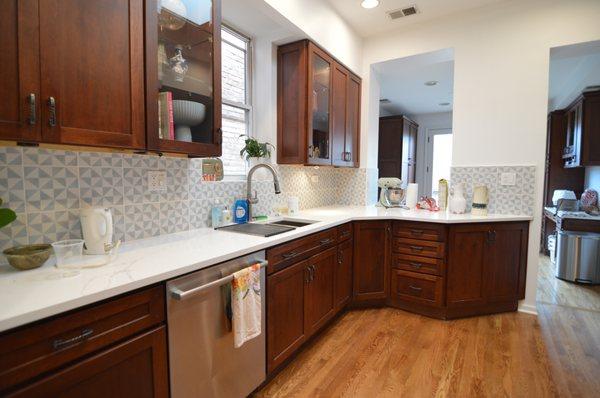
92, 63
20, 71
183, 79
318, 107
582, 144
371, 260
397, 148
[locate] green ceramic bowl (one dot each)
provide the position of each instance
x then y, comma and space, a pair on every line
29, 256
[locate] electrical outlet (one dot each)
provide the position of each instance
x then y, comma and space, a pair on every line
508, 178
157, 180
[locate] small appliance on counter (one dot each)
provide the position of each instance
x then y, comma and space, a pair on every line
97, 229
391, 194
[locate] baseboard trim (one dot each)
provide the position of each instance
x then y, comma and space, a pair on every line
528, 309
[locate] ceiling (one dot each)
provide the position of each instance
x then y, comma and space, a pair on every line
375, 20
402, 82
572, 69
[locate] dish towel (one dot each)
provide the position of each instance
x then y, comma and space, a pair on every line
246, 304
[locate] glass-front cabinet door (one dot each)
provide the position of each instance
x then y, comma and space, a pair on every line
184, 76
319, 128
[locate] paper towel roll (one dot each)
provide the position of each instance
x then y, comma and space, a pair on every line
412, 193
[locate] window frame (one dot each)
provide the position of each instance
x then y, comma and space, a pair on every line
247, 105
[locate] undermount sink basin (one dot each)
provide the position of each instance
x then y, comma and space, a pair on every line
293, 223
257, 229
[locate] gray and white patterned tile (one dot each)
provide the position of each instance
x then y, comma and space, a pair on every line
53, 226
49, 157
12, 190
200, 214
100, 159
11, 155
101, 185
141, 220
50, 187
174, 217
14, 234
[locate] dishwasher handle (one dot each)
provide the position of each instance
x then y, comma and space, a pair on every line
179, 294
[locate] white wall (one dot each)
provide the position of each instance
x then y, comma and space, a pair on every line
592, 177
500, 83
326, 27
427, 121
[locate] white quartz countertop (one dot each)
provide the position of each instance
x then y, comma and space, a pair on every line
28, 296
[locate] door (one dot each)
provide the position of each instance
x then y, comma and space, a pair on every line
92, 63
320, 70
343, 275
286, 329
390, 146
466, 265
320, 292
134, 368
339, 114
353, 123
438, 159
20, 71
371, 260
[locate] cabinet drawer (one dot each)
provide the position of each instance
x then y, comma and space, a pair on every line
425, 265
416, 247
46, 345
416, 230
418, 288
284, 255
344, 232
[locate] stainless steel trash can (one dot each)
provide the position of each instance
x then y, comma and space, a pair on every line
578, 256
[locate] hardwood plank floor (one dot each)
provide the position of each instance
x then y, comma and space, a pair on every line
391, 353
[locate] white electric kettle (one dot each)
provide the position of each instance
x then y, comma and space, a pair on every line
97, 228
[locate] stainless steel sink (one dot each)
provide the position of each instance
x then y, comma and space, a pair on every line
257, 229
293, 223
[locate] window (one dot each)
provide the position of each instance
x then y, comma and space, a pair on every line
235, 75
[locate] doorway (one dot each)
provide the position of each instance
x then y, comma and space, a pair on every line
438, 159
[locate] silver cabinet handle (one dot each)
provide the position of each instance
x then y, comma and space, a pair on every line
52, 110
415, 288
32, 117
416, 265
179, 294
311, 269
60, 343
289, 255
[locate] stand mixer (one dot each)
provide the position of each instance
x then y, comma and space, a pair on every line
391, 194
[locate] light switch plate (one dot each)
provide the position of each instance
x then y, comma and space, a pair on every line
157, 180
508, 178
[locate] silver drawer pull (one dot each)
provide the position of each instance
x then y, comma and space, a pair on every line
60, 343
416, 265
415, 288
416, 231
179, 294
289, 255
325, 241
417, 248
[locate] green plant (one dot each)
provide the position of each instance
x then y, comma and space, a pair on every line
255, 149
6, 216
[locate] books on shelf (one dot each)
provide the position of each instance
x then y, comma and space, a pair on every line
166, 126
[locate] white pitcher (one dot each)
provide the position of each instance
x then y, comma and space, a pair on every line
458, 202
97, 228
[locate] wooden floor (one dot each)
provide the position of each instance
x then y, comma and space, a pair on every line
392, 353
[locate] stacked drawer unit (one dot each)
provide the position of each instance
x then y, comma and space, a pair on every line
418, 265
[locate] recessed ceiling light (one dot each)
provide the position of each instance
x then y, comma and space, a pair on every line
431, 83
369, 3
444, 104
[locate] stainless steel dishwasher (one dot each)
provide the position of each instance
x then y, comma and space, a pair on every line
202, 359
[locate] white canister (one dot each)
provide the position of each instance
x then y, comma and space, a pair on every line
480, 201
458, 202
412, 195
293, 205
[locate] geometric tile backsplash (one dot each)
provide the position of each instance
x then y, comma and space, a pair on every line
515, 199
48, 187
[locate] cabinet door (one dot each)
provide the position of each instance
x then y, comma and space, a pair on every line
412, 152
466, 265
390, 146
286, 329
505, 261
19, 73
320, 292
92, 63
320, 66
183, 78
371, 260
353, 121
338, 114
343, 274
134, 368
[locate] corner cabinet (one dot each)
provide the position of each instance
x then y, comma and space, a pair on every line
318, 108
183, 79
90, 56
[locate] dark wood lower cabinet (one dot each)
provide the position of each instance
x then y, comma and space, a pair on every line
134, 368
320, 290
343, 274
371, 261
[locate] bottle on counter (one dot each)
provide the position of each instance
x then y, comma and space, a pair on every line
240, 215
226, 218
217, 215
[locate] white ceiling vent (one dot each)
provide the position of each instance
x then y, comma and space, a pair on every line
403, 12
